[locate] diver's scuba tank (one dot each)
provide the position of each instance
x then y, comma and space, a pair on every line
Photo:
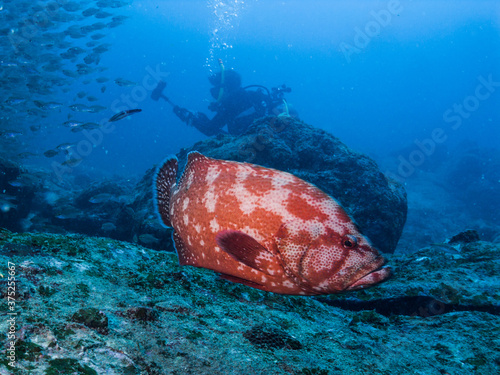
218, 90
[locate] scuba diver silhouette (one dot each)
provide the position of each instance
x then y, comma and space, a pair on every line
235, 107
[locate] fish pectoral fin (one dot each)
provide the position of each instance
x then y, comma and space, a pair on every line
246, 249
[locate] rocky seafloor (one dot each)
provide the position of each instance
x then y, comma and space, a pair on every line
89, 305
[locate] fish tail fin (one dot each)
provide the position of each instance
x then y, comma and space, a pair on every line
164, 182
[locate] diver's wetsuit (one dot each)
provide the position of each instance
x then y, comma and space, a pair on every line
237, 109
235, 106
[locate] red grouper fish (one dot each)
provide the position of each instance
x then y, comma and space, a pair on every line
263, 228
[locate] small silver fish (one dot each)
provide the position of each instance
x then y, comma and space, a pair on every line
50, 153
80, 108
124, 82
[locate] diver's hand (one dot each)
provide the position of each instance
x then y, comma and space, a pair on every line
183, 114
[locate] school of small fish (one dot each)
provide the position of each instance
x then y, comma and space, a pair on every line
47, 48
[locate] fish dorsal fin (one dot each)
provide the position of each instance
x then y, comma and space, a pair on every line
195, 163
247, 250
195, 156
164, 181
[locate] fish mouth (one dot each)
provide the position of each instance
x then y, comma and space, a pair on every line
373, 273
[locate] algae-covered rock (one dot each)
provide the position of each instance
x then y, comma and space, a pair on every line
465, 237
163, 319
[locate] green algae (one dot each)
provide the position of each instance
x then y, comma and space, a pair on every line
67, 366
28, 351
46, 291
194, 335
477, 361
369, 317
267, 336
91, 317
313, 371
83, 290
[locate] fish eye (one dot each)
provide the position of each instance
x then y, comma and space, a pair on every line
349, 241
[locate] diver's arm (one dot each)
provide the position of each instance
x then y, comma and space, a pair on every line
207, 126
200, 121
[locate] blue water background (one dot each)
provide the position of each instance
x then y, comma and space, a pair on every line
378, 101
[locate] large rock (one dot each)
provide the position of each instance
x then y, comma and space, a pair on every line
376, 203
